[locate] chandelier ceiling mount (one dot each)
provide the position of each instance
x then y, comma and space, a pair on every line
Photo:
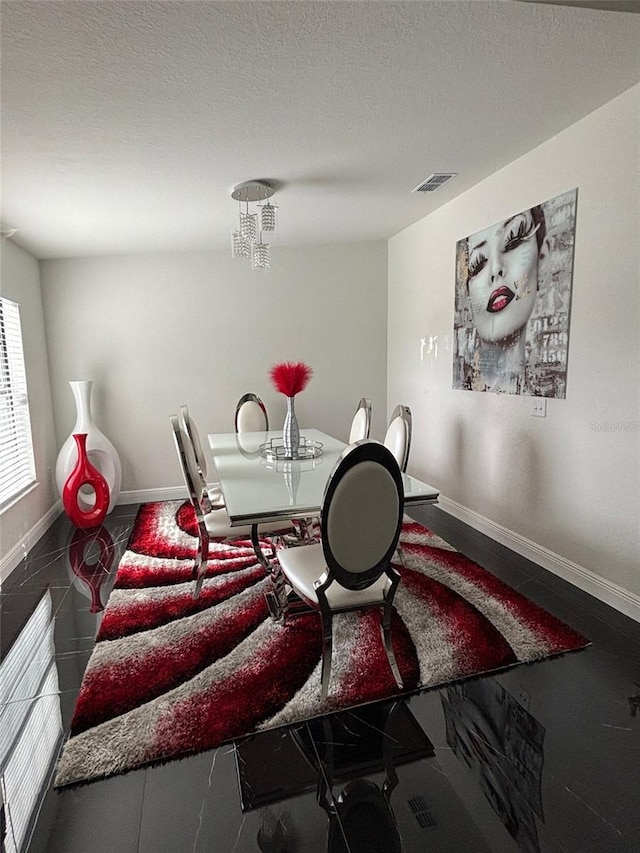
252, 191
246, 240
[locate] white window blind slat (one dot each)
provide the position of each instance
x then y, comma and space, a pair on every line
30, 723
17, 464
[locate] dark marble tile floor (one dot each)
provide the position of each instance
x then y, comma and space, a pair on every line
544, 757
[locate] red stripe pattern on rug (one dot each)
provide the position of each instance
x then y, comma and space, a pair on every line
172, 675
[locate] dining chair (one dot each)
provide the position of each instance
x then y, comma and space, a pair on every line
398, 435
251, 414
210, 525
361, 423
212, 493
398, 440
350, 568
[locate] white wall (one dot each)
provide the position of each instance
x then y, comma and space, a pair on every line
556, 484
157, 331
23, 522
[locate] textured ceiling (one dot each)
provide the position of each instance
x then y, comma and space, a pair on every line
125, 125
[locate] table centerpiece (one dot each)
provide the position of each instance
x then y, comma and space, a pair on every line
290, 378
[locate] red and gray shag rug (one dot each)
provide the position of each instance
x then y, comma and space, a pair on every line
171, 675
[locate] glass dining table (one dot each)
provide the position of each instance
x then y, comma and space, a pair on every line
259, 487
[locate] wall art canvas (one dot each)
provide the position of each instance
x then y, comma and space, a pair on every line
513, 301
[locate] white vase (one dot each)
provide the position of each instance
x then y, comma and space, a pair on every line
102, 454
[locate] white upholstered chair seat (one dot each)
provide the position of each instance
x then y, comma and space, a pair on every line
303, 566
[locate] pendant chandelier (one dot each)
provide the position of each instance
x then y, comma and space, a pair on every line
247, 241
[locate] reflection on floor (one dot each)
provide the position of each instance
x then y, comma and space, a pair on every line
543, 757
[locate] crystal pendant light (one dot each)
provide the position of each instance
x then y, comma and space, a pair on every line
268, 217
261, 256
249, 224
246, 240
240, 246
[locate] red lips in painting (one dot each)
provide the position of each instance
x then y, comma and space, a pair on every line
499, 299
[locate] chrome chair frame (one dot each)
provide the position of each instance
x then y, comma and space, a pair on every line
250, 398
360, 430
213, 498
365, 450
188, 466
186, 458
365, 403
402, 413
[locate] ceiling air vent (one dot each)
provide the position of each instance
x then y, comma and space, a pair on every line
434, 182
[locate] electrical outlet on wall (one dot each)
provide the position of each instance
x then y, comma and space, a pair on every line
539, 409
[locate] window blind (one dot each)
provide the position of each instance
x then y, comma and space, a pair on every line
30, 724
17, 466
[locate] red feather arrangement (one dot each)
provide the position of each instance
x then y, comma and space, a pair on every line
289, 378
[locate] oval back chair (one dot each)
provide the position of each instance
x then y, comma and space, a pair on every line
361, 423
212, 491
350, 569
209, 524
251, 414
398, 436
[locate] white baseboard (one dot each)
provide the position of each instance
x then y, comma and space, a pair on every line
601, 588
22, 548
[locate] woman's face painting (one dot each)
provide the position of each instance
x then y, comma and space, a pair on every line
503, 276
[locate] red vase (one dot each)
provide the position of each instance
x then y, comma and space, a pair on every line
85, 474
95, 573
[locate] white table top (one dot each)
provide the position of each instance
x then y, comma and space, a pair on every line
256, 490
